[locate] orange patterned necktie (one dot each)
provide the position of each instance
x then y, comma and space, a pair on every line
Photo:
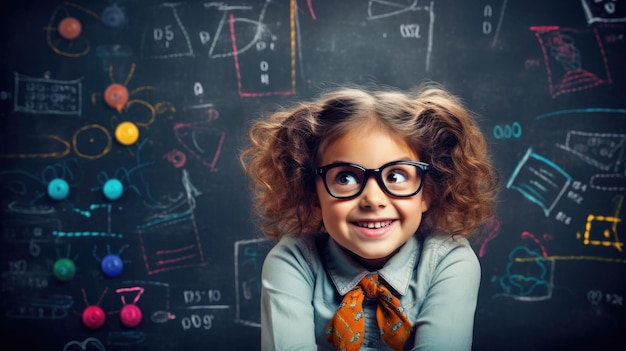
345, 330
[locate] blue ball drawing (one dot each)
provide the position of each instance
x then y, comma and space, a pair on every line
112, 265
58, 189
113, 189
113, 17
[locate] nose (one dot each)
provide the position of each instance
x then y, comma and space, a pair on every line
373, 196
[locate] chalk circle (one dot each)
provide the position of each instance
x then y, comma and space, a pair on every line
58, 189
113, 189
116, 96
93, 317
69, 28
92, 141
112, 265
130, 315
113, 17
64, 269
127, 133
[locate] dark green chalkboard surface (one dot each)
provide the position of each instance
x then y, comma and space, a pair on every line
164, 207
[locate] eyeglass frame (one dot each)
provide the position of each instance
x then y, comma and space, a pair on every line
422, 167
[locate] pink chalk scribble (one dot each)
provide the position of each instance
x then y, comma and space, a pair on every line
139, 290
309, 3
491, 229
176, 157
528, 235
200, 140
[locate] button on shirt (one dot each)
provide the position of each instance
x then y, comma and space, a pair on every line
305, 277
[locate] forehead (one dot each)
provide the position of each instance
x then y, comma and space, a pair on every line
368, 146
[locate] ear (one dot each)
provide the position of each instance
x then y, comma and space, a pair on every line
425, 201
315, 203
316, 207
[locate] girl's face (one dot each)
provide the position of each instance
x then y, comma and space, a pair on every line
374, 224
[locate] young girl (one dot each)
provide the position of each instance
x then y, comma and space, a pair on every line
370, 196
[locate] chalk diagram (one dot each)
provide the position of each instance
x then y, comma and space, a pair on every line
249, 256
269, 69
422, 28
528, 277
78, 47
530, 272
577, 60
565, 68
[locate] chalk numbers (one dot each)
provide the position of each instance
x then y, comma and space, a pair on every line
19, 277
197, 296
264, 66
196, 321
164, 35
200, 320
33, 235
34, 248
563, 217
487, 13
265, 77
17, 267
596, 297
576, 195
508, 131
410, 31
609, 7
205, 37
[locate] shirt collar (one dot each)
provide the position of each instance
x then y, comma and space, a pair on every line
345, 273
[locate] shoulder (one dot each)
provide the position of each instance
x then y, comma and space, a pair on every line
300, 244
441, 250
296, 252
442, 242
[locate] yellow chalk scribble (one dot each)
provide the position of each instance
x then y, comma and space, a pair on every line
609, 237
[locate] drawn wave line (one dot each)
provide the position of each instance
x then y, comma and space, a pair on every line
84, 234
571, 258
582, 110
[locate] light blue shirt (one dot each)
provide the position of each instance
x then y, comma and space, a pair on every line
305, 278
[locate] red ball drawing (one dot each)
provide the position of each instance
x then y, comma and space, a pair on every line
70, 28
93, 317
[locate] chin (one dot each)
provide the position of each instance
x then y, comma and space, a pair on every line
376, 255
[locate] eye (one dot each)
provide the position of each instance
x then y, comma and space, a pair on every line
346, 178
396, 176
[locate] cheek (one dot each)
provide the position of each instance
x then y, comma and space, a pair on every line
413, 207
319, 188
323, 206
332, 212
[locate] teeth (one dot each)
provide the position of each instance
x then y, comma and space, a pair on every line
373, 225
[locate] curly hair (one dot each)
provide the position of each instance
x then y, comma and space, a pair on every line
285, 148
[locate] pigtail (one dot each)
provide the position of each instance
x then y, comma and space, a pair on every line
279, 165
462, 181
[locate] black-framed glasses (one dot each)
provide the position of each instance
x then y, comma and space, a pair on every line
398, 178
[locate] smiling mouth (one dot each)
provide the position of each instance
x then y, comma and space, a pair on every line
373, 225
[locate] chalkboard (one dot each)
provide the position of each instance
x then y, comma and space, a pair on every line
547, 79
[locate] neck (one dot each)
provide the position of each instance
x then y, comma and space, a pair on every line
371, 264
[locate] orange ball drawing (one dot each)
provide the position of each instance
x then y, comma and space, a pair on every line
116, 96
70, 28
